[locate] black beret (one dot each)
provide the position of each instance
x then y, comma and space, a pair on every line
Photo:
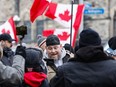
52, 40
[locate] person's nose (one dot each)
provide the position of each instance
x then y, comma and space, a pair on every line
53, 50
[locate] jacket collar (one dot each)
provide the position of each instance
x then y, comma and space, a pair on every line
91, 54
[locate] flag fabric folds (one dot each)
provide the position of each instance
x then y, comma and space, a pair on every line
38, 8
9, 27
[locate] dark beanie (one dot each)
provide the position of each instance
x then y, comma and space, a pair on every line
89, 37
41, 40
52, 40
68, 47
33, 57
112, 43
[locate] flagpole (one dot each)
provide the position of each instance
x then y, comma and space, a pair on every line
71, 23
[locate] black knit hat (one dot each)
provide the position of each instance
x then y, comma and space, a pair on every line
41, 40
89, 37
52, 40
112, 43
33, 57
34, 60
68, 47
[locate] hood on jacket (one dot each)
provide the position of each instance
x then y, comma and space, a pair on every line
34, 79
91, 54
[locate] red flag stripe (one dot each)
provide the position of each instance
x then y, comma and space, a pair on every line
77, 22
13, 27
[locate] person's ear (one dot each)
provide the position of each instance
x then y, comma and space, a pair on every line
61, 46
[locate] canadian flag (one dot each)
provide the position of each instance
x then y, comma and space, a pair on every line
38, 8
62, 14
9, 27
63, 34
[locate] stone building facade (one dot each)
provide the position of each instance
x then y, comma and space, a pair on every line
104, 24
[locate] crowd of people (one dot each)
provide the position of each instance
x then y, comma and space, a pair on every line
50, 64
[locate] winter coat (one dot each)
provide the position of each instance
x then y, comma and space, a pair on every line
91, 67
12, 76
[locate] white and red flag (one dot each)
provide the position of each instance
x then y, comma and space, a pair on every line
9, 27
63, 34
38, 8
62, 14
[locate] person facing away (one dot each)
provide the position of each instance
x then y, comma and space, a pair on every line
111, 51
6, 43
90, 67
55, 55
12, 76
34, 70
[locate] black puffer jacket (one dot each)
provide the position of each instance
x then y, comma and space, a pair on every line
91, 67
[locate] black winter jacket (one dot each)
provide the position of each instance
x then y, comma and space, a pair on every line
91, 67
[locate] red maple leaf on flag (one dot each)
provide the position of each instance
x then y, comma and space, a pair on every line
65, 16
64, 36
47, 32
4, 31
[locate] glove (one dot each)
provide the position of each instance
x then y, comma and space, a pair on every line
20, 50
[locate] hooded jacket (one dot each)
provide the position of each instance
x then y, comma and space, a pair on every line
34, 69
91, 67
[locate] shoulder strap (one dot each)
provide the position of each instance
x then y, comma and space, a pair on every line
54, 68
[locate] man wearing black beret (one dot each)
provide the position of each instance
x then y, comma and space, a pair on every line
55, 55
90, 67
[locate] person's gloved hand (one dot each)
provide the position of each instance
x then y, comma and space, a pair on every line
20, 50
